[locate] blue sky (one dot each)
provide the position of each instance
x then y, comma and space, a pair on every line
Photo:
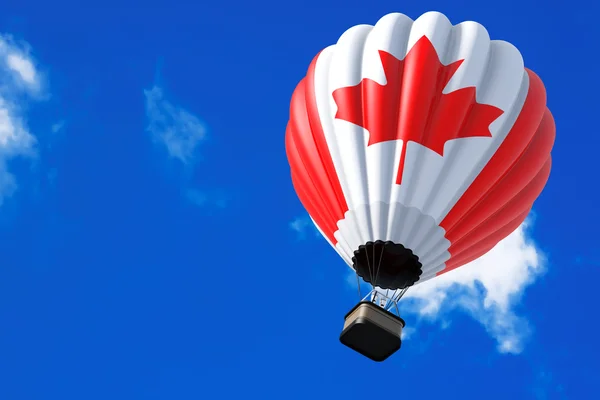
153, 247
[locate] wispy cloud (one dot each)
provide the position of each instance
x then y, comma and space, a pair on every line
23, 66
181, 133
303, 227
177, 129
58, 126
407, 332
489, 289
204, 198
20, 83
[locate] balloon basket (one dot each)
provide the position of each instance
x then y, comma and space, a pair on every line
371, 330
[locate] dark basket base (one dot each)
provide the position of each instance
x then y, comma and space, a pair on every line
372, 331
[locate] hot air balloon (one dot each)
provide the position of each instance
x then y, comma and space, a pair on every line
415, 147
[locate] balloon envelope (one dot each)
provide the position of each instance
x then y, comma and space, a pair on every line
416, 146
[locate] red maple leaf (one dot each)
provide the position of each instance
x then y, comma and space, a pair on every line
411, 105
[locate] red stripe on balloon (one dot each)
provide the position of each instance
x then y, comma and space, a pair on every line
522, 201
313, 173
485, 245
508, 184
512, 184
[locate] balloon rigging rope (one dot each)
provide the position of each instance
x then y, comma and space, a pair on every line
379, 264
400, 294
373, 270
369, 265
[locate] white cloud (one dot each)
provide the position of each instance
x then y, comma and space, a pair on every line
19, 72
180, 131
407, 332
20, 81
23, 67
303, 226
488, 289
